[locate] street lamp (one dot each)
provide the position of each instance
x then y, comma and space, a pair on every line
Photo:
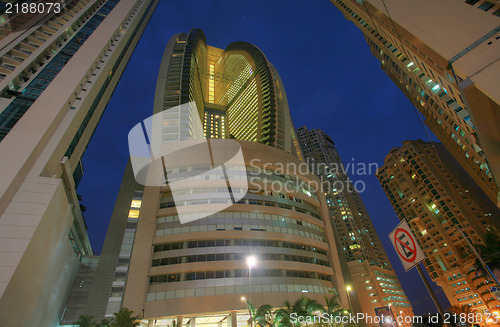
251, 261
249, 311
348, 289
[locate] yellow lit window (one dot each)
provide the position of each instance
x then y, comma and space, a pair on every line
136, 204
133, 213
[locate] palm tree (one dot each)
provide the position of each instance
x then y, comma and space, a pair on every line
262, 316
332, 308
312, 307
490, 254
302, 307
124, 318
284, 315
461, 310
85, 321
105, 323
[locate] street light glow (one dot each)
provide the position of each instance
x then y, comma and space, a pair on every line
251, 261
243, 298
348, 288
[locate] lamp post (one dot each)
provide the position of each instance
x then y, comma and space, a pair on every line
249, 311
251, 262
348, 289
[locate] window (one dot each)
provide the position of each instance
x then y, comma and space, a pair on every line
471, 2
486, 6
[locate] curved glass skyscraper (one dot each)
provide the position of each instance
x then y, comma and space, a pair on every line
237, 84
235, 213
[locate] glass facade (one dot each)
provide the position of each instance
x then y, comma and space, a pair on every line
214, 123
118, 285
237, 84
298, 215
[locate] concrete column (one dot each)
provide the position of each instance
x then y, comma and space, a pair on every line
485, 114
179, 321
232, 321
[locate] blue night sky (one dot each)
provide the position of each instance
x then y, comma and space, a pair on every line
331, 79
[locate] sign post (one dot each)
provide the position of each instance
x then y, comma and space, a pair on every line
411, 255
406, 246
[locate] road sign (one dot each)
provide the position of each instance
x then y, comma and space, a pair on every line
406, 246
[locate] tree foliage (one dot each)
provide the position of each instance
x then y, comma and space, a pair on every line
86, 321
122, 318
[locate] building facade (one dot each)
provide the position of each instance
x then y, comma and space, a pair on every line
449, 215
98, 287
198, 270
444, 57
57, 73
372, 276
191, 229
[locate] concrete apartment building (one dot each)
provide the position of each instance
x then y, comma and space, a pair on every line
372, 276
450, 216
444, 56
57, 73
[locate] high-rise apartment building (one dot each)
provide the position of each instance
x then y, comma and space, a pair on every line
449, 215
191, 236
57, 73
99, 284
444, 56
374, 281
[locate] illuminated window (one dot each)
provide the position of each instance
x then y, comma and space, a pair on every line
136, 204
133, 213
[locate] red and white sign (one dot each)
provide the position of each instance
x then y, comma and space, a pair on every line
406, 246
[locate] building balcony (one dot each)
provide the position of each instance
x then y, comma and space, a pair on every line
484, 292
